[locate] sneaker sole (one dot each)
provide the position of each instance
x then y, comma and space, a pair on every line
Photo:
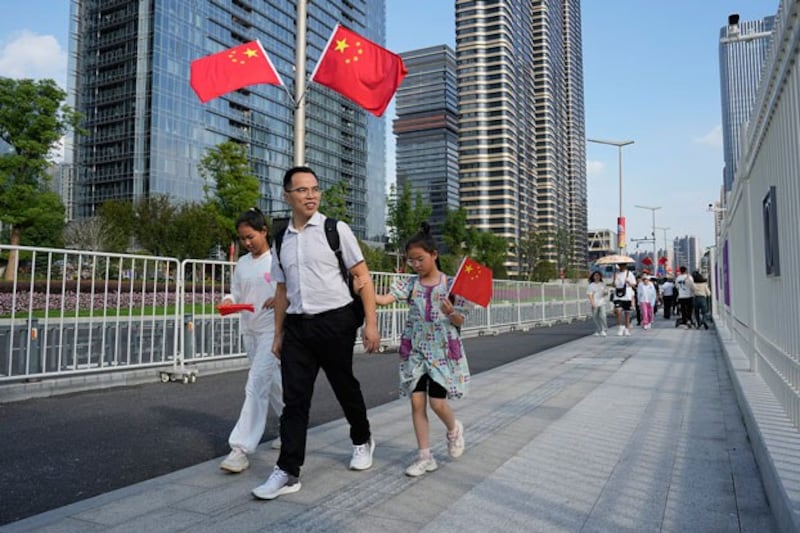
234, 469
433, 468
287, 489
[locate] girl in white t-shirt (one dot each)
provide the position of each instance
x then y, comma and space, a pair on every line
251, 283
597, 298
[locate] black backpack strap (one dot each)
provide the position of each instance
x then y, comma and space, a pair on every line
332, 234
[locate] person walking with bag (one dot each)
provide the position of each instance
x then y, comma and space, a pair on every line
685, 286
624, 284
597, 298
252, 283
433, 364
701, 295
316, 321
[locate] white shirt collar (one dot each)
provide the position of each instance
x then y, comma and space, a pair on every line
315, 220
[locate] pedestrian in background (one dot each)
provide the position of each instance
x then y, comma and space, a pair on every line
668, 296
685, 286
433, 364
623, 285
597, 298
252, 283
646, 296
701, 294
316, 322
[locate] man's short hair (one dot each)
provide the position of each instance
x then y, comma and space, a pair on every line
287, 178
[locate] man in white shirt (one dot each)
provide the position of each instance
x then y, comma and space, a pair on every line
685, 286
623, 285
315, 327
668, 295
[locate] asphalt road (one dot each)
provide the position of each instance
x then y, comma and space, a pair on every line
59, 450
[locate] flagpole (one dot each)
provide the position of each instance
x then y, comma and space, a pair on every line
300, 84
464, 260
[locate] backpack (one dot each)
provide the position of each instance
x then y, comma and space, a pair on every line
332, 235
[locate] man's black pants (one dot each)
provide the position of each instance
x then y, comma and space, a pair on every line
310, 343
686, 306
669, 303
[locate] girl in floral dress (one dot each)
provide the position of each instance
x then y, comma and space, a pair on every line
433, 366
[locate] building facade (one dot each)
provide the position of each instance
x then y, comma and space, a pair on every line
743, 47
522, 159
147, 131
427, 130
686, 252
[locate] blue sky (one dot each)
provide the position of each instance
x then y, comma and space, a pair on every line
651, 74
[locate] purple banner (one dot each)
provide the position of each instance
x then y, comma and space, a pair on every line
726, 274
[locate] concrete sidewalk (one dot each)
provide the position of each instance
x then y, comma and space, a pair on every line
601, 434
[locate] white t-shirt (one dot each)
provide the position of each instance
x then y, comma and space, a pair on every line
685, 286
598, 290
624, 279
667, 288
252, 284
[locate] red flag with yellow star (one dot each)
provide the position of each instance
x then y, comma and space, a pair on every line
226, 71
473, 282
360, 70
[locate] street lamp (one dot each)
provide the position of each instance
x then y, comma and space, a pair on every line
653, 211
620, 219
666, 251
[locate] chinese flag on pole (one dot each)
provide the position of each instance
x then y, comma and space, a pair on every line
226, 71
473, 282
360, 70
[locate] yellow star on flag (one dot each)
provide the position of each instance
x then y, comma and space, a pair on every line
341, 45
250, 52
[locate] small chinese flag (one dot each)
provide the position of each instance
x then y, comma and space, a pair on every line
360, 70
226, 71
473, 282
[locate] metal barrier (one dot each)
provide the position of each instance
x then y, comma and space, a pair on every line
70, 312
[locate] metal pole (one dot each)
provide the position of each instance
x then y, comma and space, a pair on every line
300, 85
620, 183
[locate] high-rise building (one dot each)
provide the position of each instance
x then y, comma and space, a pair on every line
522, 140
743, 46
147, 130
686, 252
427, 130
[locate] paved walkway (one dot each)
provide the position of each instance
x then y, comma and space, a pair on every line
600, 434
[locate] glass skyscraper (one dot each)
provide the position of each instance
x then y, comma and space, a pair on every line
743, 47
427, 130
147, 130
522, 140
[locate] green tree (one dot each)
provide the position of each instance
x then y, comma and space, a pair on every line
48, 213
531, 251
32, 120
195, 232
544, 271
564, 244
334, 201
491, 250
154, 228
405, 216
230, 187
119, 222
459, 237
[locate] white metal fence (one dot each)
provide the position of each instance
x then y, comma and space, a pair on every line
72, 312
761, 305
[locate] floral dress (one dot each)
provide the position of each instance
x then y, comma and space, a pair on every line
430, 344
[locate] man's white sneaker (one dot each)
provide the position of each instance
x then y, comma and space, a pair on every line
235, 462
276, 444
455, 444
362, 455
595, 334
278, 483
421, 465
603, 333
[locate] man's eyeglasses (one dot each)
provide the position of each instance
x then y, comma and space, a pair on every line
304, 191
